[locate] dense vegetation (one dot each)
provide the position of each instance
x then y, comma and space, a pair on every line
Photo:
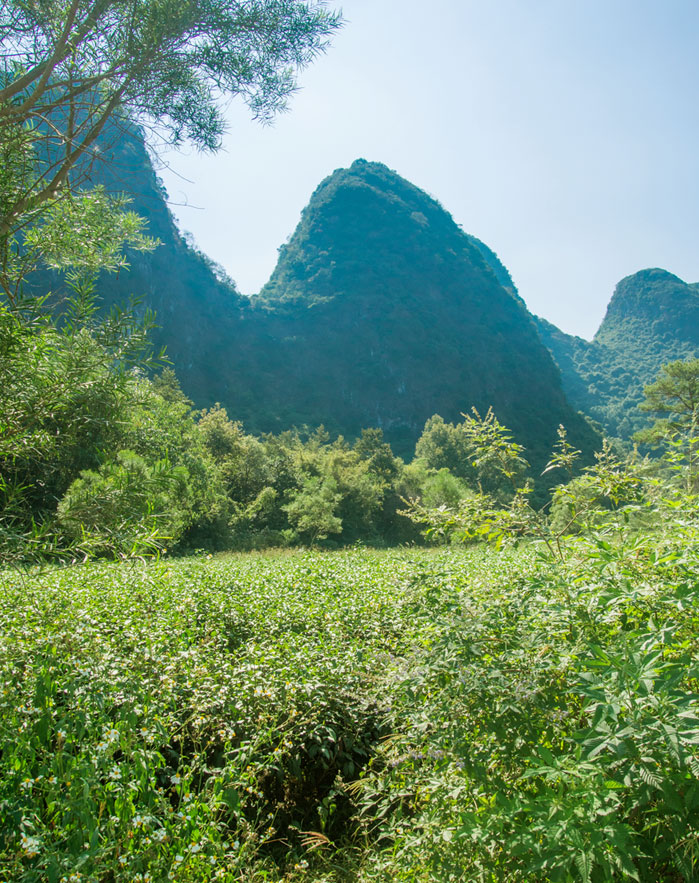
490, 715
518, 705
483, 715
97, 458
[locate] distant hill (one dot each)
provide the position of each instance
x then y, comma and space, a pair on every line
652, 318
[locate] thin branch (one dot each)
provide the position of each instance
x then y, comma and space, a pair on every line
43, 70
59, 54
31, 202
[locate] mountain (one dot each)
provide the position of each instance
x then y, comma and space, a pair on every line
652, 318
198, 309
652, 309
381, 311
385, 313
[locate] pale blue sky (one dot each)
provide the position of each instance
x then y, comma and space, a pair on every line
563, 134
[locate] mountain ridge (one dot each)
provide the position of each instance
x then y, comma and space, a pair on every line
380, 311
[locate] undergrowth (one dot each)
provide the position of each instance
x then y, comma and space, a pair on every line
479, 714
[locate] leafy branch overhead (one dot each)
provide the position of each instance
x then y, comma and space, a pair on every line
67, 69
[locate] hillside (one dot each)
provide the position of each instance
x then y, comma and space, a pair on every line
198, 309
381, 312
652, 318
385, 313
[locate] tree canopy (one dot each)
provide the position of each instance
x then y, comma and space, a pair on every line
68, 67
675, 394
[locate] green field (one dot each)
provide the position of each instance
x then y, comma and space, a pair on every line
357, 715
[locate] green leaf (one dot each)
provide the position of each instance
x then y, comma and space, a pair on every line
231, 798
650, 777
625, 864
584, 864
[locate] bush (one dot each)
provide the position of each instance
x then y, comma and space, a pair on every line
126, 508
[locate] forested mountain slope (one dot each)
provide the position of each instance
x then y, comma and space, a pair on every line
387, 313
198, 310
652, 318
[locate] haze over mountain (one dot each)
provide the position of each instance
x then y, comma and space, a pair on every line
197, 308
